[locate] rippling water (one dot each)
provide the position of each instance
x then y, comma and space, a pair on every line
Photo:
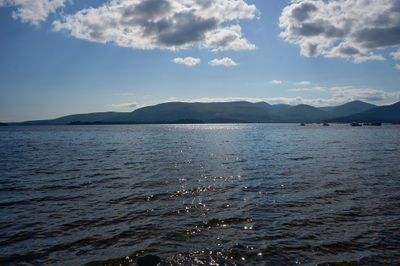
200, 194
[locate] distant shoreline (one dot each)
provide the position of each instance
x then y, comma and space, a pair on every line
181, 123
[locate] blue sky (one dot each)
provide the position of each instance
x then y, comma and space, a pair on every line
60, 57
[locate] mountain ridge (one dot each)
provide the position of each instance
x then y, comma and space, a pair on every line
229, 112
383, 114
349, 108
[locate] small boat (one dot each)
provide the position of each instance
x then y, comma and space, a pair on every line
354, 124
302, 124
326, 125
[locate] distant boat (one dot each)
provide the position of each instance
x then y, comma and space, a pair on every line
326, 125
376, 124
302, 124
354, 124
372, 124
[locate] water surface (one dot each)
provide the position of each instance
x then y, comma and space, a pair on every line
200, 194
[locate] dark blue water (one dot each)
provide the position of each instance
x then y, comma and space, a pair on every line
200, 194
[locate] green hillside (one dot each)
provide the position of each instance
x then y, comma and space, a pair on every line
232, 112
301, 113
224, 112
351, 108
207, 112
84, 118
389, 113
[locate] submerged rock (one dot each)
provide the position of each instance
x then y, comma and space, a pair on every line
148, 260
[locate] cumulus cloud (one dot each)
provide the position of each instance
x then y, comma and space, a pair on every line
338, 96
163, 24
308, 89
351, 29
189, 61
124, 105
226, 61
397, 66
301, 83
228, 38
396, 55
349, 93
33, 11
271, 100
276, 82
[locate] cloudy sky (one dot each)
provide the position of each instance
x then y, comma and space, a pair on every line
60, 57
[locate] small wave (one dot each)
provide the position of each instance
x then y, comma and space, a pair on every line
301, 158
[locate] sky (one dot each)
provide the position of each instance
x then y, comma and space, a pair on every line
61, 57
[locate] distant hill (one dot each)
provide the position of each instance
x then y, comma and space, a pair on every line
280, 107
327, 108
226, 112
263, 105
301, 113
206, 112
350, 108
242, 112
389, 114
85, 118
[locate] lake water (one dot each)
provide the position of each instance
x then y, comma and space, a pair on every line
245, 194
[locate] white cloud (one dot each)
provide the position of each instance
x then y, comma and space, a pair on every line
349, 93
336, 96
271, 100
189, 61
228, 38
33, 11
276, 82
226, 61
163, 24
397, 66
396, 55
301, 83
308, 89
351, 29
125, 105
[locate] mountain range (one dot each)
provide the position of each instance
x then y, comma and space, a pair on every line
234, 112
